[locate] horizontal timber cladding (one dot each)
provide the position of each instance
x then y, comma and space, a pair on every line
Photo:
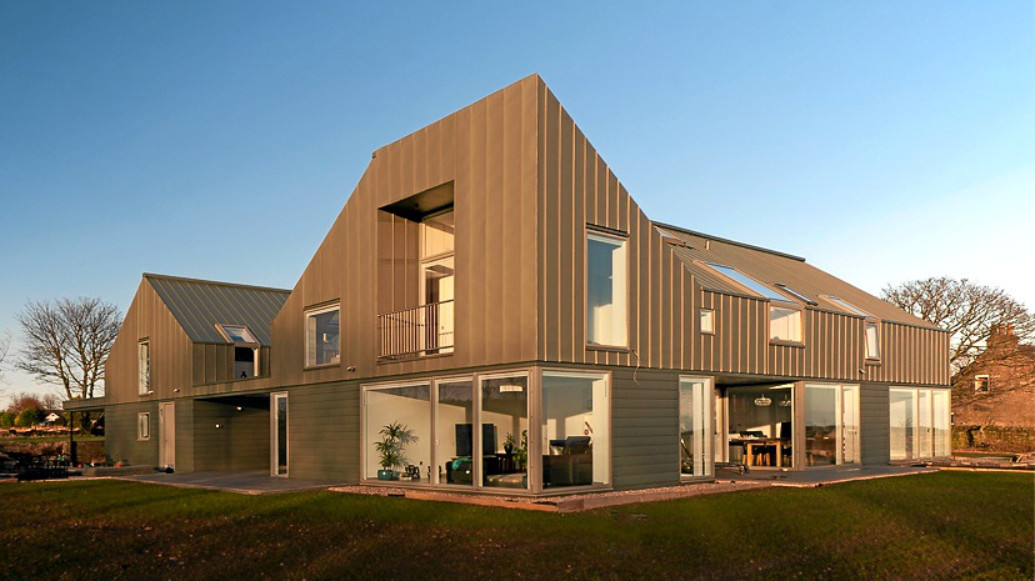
227, 438
488, 152
911, 355
645, 428
171, 351
874, 424
323, 432
740, 341
120, 427
576, 188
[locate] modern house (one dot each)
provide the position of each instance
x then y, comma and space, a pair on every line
491, 291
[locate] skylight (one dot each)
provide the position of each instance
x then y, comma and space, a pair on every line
238, 334
791, 291
749, 282
848, 306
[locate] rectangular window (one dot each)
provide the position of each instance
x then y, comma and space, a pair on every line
902, 411
246, 350
920, 423
982, 383
398, 433
784, 324
696, 447
942, 431
575, 430
707, 321
144, 426
322, 337
846, 306
454, 432
606, 284
144, 367
872, 340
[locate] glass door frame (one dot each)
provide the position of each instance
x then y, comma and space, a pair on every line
275, 398
710, 400
839, 429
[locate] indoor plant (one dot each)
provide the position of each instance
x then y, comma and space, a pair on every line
394, 437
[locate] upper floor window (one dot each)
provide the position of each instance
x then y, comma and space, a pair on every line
437, 283
322, 339
845, 305
144, 367
784, 324
872, 340
982, 383
606, 290
246, 350
707, 321
748, 282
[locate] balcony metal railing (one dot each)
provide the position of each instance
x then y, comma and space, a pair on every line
416, 332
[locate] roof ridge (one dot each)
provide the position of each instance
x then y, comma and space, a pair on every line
170, 277
728, 241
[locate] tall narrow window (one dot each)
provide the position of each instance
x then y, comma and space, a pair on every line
504, 436
144, 367
322, 337
437, 282
872, 340
606, 284
144, 426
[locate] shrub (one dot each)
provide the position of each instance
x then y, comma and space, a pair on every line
7, 420
28, 418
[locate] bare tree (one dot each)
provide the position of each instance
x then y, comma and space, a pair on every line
968, 311
5, 345
67, 342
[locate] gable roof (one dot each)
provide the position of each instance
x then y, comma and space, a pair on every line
200, 305
772, 267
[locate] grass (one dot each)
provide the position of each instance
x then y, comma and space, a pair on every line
941, 526
984, 454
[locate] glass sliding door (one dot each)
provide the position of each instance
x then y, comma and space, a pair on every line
279, 434
454, 432
831, 424
940, 423
902, 404
504, 437
696, 428
850, 443
925, 447
398, 432
575, 429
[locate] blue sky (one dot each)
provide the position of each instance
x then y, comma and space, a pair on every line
883, 141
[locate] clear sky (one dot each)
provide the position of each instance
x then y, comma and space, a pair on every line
884, 141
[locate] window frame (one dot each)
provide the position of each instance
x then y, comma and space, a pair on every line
608, 414
254, 345
800, 341
143, 420
312, 311
142, 389
607, 235
978, 383
875, 323
779, 300
711, 319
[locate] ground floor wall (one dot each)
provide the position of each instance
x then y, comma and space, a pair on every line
121, 440
874, 424
323, 432
645, 428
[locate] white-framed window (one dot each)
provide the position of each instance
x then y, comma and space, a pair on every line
983, 383
696, 427
872, 340
784, 324
707, 321
144, 426
246, 350
575, 427
144, 367
920, 423
322, 336
606, 290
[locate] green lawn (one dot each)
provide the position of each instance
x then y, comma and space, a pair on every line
941, 526
12, 439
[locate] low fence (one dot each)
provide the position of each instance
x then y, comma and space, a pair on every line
993, 439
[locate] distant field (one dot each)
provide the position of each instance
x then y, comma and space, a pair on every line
942, 526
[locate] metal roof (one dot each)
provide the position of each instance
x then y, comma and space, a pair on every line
200, 305
772, 267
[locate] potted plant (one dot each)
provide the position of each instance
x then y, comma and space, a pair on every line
394, 438
521, 455
508, 444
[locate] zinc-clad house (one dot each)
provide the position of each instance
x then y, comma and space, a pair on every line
492, 290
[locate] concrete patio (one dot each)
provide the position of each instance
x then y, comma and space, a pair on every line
816, 477
242, 482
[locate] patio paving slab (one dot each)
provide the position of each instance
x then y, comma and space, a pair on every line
243, 482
